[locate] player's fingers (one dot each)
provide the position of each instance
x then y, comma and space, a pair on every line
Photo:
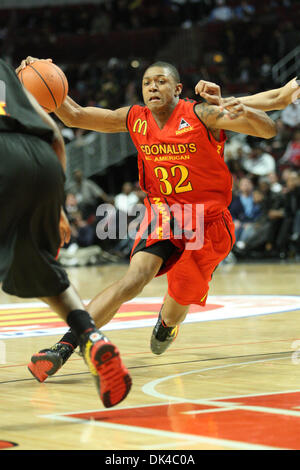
68, 235
204, 85
21, 66
231, 101
199, 87
30, 60
64, 238
234, 107
211, 87
27, 61
211, 99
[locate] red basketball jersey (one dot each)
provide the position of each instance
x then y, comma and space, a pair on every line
183, 162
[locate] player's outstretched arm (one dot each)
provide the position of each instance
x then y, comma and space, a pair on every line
271, 100
89, 117
237, 118
92, 118
276, 99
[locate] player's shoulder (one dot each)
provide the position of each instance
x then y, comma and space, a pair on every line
205, 111
188, 105
137, 116
137, 111
188, 101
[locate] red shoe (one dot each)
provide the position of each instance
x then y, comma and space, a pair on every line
104, 362
49, 361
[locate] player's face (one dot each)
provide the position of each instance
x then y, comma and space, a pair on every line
160, 88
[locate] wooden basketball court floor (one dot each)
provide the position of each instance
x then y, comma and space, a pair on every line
231, 380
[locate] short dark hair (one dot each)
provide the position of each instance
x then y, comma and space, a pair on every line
173, 70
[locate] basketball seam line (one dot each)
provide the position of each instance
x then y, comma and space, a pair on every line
44, 83
62, 80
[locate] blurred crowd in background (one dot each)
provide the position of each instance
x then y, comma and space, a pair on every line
239, 42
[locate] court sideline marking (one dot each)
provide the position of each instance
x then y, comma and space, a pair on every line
149, 389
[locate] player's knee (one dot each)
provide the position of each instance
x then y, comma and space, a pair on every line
132, 284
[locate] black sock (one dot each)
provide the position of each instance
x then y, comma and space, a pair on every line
70, 338
80, 322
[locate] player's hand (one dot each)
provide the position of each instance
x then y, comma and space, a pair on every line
64, 229
291, 91
27, 61
209, 91
234, 107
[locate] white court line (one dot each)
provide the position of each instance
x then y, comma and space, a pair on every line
228, 311
188, 438
150, 389
228, 397
211, 410
181, 438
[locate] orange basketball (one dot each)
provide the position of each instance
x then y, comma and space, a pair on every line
46, 82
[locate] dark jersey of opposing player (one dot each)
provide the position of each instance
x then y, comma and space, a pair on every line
16, 112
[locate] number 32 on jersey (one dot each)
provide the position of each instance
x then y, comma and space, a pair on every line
166, 177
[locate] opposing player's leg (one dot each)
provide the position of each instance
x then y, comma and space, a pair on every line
143, 267
48, 361
112, 379
166, 329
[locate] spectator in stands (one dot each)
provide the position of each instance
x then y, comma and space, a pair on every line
292, 210
130, 197
67, 133
291, 156
264, 231
88, 194
244, 11
275, 185
291, 115
125, 200
265, 71
283, 216
71, 204
222, 12
259, 162
284, 176
245, 209
280, 141
82, 230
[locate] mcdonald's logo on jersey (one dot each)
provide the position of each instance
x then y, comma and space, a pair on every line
140, 126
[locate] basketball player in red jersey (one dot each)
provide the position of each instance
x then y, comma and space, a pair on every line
180, 156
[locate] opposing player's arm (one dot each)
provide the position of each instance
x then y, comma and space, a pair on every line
276, 99
271, 100
92, 118
58, 144
246, 120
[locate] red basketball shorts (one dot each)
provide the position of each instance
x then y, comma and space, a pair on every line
189, 270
